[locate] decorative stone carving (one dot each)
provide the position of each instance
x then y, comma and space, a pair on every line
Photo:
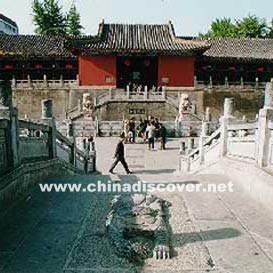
138, 227
268, 100
185, 105
243, 133
231, 133
87, 105
5, 94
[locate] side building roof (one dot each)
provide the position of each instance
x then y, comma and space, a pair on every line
240, 50
33, 46
8, 20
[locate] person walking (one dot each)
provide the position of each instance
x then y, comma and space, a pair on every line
151, 135
119, 156
163, 136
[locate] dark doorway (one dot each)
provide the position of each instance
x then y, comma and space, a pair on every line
137, 70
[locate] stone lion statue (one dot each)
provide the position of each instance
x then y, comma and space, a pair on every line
87, 104
137, 226
185, 104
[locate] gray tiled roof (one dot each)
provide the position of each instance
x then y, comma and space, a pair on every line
33, 46
143, 39
240, 49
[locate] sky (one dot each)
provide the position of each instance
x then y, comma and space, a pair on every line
189, 17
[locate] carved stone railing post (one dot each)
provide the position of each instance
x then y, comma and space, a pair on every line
45, 81
203, 137
47, 117
225, 120
69, 129
263, 133
208, 115
128, 93
7, 111
177, 127
182, 147
97, 126
13, 82
257, 83
29, 81
210, 82
195, 82
242, 82
146, 92
226, 82
164, 94
110, 93
61, 81
14, 138
78, 80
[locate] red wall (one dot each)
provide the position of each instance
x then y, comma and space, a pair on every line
179, 70
94, 70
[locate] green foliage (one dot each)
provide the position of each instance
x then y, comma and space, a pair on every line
49, 18
248, 27
74, 26
223, 28
252, 27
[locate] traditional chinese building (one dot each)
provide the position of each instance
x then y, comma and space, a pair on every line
147, 55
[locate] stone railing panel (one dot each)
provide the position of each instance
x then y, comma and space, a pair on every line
33, 148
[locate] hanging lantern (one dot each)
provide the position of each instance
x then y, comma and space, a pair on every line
38, 66
261, 69
232, 68
147, 62
8, 66
127, 62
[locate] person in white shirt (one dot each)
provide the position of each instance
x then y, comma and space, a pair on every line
151, 135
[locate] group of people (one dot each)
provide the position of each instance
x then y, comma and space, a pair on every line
139, 88
148, 129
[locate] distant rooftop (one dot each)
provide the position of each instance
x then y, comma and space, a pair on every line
8, 20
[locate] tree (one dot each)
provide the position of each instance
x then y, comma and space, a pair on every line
270, 30
252, 27
221, 28
248, 27
73, 26
48, 17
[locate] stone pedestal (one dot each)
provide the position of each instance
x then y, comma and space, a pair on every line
229, 107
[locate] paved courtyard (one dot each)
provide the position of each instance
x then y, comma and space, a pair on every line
65, 232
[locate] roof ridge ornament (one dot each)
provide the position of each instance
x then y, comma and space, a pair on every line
101, 27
